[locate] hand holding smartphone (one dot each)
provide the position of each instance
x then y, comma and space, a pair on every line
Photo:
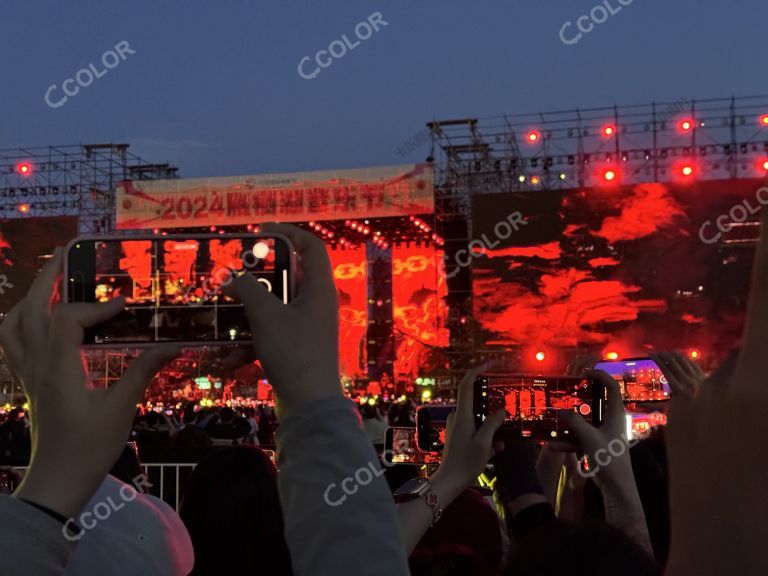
533, 404
173, 285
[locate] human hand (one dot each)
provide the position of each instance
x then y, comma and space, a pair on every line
467, 449
297, 343
681, 372
77, 431
605, 448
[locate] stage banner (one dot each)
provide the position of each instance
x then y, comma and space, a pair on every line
300, 197
350, 278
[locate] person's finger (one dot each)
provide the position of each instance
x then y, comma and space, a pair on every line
67, 331
615, 407
450, 426
37, 302
466, 398
313, 261
686, 364
261, 306
129, 389
583, 431
486, 432
679, 381
11, 341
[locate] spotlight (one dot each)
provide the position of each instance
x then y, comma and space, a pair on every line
521, 178
611, 355
23, 208
764, 119
694, 354
686, 125
535, 180
533, 136
24, 168
562, 176
540, 356
687, 170
609, 130
609, 175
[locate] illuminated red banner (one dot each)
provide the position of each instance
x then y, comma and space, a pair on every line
299, 197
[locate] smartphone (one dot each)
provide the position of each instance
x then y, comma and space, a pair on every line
400, 447
641, 379
644, 425
173, 284
430, 426
532, 403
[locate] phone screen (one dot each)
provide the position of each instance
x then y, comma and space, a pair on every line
531, 403
431, 426
173, 284
641, 379
400, 447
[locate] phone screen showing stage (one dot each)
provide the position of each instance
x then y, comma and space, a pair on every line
173, 286
431, 422
531, 403
400, 447
640, 380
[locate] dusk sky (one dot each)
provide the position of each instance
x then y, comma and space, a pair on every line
214, 87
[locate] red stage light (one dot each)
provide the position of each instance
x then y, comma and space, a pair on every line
212, 228
533, 136
535, 180
764, 119
609, 130
24, 168
687, 170
540, 356
23, 208
694, 354
686, 125
609, 175
611, 355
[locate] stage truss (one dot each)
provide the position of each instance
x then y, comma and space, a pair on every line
75, 180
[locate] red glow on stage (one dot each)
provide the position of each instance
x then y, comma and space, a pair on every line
533, 136
610, 175
609, 130
535, 180
24, 168
687, 170
694, 354
23, 208
540, 356
647, 210
611, 355
764, 119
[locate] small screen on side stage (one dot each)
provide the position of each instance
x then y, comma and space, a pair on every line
173, 287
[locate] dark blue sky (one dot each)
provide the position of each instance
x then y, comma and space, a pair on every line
213, 85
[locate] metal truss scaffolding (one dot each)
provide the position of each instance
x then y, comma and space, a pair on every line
76, 180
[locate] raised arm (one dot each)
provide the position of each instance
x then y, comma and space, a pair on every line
77, 432
339, 514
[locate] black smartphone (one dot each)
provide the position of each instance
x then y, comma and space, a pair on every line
400, 447
173, 285
430, 426
641, 379
532, 403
